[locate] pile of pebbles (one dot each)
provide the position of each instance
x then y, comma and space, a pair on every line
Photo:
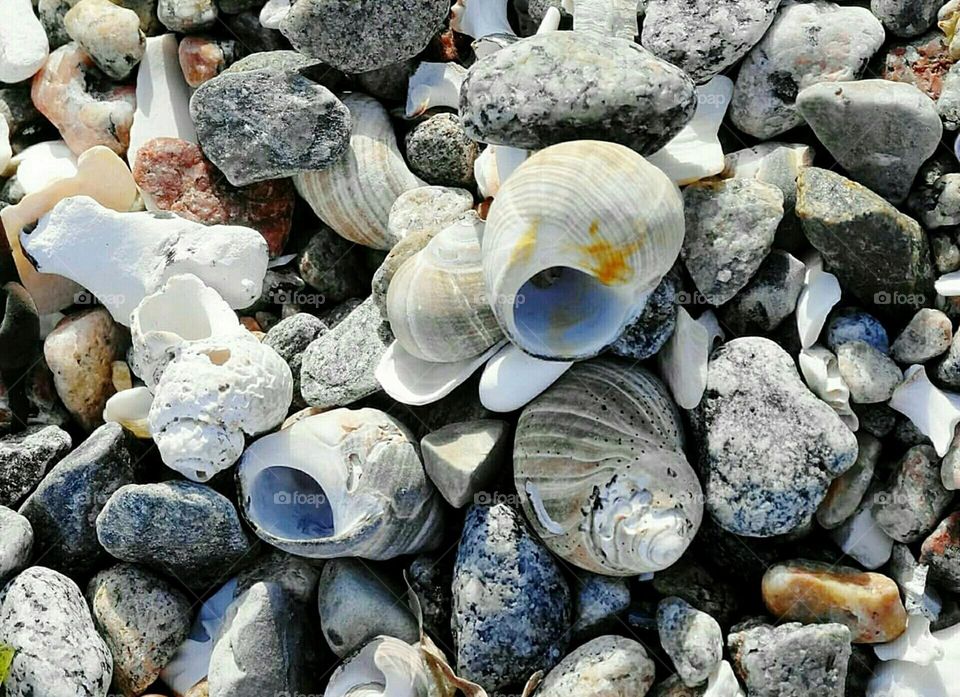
554, 348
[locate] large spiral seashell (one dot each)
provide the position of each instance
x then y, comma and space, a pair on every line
345, 483
575, 240
354, 196
600, 470
437, 302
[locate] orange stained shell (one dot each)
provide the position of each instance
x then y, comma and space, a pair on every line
609, 262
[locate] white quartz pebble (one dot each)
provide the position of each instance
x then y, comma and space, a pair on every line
23, 42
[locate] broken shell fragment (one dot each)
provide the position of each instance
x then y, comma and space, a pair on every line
494, 165
434, 85
684, 358
479, 18
821, 372
898, 678
915, 645
821, 291
934, 412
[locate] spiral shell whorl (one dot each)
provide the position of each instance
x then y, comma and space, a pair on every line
596, 208
601, 474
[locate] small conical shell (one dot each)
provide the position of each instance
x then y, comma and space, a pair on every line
607, 225
355, 195
600, 471
436, 301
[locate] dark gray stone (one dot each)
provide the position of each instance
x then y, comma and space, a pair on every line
647, 334
847, 491
511, 604
691, 638
906, 17
63, 508
914, 500
440, 152
331, 265
948, 369
876, 419
928, 335
768, 298
16, 543
941, 552
564, 86
870, 375
26, 457
769, 448
290, 337
263, 124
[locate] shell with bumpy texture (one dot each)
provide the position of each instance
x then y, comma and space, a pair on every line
574, 241
600, 470
354, 196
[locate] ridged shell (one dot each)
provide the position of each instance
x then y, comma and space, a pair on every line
345, 483
608, 225
355, 195
436, 301
600, 471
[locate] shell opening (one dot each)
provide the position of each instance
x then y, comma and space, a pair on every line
565, 307
290, 504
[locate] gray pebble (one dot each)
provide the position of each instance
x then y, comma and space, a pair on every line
928, 335
847, 491
294, 574
465, 457
870, 375
897, 129
290, 337
691, 638
608, 665
907, 434
16, 543
389, 83
183, 529
511, 604
431, 578
564, 86
768, 298
358, 601
25, 457
948, 105
597, 603
186, 15
44, 617
361, 35
943, 208
647, 334
65, 505
876, 419
906, 17
948, 369
929, 186
51, 14
331, 265
440, 152
730, 226
705, 38
769, 447
915, 499
256, 125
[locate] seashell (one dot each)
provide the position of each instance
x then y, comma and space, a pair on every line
551, 20
479, 18
821, 291
345, 483
722, 682
601, 473
933, 411
617, 18
354, 195
513, 378
6, 152
41, 163
436, 301
495, 164
822, 375
861, 538
131, 409
122, 257
434, 85
574, 241
915, 645
183, 310
906, 679
683, 359
410, 380
695, 152
213, 392
100, 174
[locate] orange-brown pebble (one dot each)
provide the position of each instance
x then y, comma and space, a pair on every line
203, 57
868, 603
251, 324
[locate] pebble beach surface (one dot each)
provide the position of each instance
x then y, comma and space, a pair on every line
496, 348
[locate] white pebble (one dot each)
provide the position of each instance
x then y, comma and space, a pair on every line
23, 42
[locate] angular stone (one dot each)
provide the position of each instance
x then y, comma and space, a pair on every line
16, 543
896, 129
647, 334
463, 458
846, 491
564, 86
941, 552
867, 603
870, 375
768, 298
691, 638
597, 603
915, 499
929, 334
25, 457
110, 34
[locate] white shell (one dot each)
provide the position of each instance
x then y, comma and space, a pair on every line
861, 538
513, 378
212, 393
122, 257
436, 301
345, 483
42, 163
722, 682
822, 375
131, 409
821, 291
354, 195
933, 411
495, 164
683, 359
695, 152
384, 667
906, 679
603, 222
616, 18
273, 12
915, 645
99, 173
479, 18
183, 310
948, 285
434, 85
6, 152
551, 21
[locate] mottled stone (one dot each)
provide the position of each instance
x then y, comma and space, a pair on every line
182, 529
673, 687
921, 62
876, 419
440, 152
871, 376
928, 335
768, 298
110, 35
598, 600
463, 458
691, 638
362, 35
63, 508
16, 543
647, 334
203, 58
847, 491
290, 337
792, 660
878, 253
906, 17
252, 35
564, 86
176, 175
25, 457
948, 105
769, 447
850, 324
57, 650
511, 604
915, 498
730, 226
867, 603
187, 15
143, 621
51, 14
430, 577
263, 124
948, 369
897, 129
941, 552
612, 666
807, 43
331, 265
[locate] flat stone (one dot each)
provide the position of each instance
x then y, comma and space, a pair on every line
648, 333
607, 665
807, 43
897, 129
26, 457
768, 298
906, 17
867, 603
63, 508
915, 499
870, 375
691, 638
730, 227
563, 86
941, 552
463, 458
928, 335
110, 34
847, 491
16, 543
